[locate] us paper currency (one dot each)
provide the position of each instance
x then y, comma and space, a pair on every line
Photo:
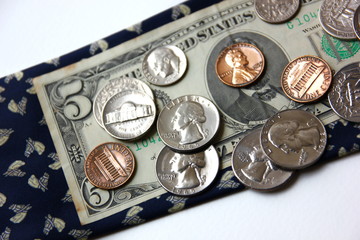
66, 95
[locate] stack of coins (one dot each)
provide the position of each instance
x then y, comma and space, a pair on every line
293, 139
290, 140
253, 168
188, 164
266, 157
187, 125
125, 109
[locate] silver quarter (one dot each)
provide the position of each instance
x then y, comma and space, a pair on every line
344, 94
356, 22
276, 11
164, 65
253, 168
186, 174
293, 139
188, 123
128, 115
336, 17
114, 86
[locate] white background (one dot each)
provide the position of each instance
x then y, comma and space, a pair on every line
323, 202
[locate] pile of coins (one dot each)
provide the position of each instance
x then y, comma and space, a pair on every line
125, 109
340, 19
187, 125
266, 157
289, 140
294, 139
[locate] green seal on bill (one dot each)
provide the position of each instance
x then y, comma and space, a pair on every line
340, 49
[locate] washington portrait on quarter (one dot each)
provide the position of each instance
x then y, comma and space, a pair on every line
188, 123
293, 139
187, 174
253, 168
289, 136
188, 120
187, 169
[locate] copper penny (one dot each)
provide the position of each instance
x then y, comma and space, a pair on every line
109, 165
240, 64
306, 79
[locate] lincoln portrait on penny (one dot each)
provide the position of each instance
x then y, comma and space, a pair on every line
242, 73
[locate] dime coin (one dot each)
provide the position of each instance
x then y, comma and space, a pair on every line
239, 64
336, 17
164, 65
186, 174
114, 86
188, 123
253, 168
276, 11
293, 139
356, 22
344, 94
306, 79
109, 165
128, 115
